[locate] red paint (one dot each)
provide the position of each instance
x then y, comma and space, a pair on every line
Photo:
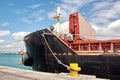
74, 25
88, 46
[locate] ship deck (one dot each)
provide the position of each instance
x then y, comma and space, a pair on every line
8, 73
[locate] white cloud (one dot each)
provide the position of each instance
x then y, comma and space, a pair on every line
101, 5
1, 41
37, 16
77, 3
26, 20
4, 33
103, 16
51, 2
68, 7
5, 24
64, 28
12, 46
104, 12
20, 43
114, 26
110, 32
18, 11
19, 35
51, 14
34, 6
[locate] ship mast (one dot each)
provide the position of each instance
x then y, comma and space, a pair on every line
58, 18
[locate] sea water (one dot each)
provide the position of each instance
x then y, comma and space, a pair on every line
12, 60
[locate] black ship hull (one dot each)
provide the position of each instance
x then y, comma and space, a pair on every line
40, 57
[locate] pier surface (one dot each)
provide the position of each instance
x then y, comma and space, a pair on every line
8, 73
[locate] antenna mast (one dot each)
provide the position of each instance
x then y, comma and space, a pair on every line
58, 18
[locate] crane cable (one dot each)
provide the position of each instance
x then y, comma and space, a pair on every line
59, 62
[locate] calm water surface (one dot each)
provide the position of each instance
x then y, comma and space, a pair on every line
12, 60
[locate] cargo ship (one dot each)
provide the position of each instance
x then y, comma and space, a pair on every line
49, 52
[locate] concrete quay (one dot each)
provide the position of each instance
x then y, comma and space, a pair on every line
9, 73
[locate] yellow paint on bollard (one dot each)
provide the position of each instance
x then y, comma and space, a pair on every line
74, 69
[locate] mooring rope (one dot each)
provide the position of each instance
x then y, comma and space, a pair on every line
59, 62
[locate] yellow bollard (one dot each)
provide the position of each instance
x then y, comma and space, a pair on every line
74, 69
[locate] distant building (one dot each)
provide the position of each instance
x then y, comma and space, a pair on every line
22, 51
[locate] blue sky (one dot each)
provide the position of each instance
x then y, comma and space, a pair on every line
21, 17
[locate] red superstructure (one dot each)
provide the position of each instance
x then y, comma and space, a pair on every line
84, 44
74, 25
